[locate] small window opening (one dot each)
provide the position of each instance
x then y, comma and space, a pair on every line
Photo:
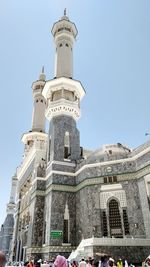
66, 146
105, 180
65, 232
115, 178
110, 179
81, 151
66, 226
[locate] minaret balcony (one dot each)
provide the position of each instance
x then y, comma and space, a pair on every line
63, 82
34, 136
63, 107
64, 26
11, 208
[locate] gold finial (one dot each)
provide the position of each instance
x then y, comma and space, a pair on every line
65, 12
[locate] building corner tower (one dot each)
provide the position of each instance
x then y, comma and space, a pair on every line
32, 168
63, 95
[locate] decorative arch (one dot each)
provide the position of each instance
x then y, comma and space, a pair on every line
114, 212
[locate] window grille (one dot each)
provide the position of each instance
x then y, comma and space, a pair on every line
110, 179
105, 180
104, 219
115, 219
126, 223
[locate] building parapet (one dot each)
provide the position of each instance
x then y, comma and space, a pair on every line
94, 241
140, 148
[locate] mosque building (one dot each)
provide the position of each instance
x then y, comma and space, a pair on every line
66, 199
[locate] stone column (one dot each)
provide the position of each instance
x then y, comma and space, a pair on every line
144, 206
17, 250
20, 251
37, 230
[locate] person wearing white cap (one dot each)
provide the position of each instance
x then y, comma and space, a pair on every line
147, 262
39, 262
111, 262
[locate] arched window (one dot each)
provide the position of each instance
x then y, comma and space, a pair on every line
115, 219
66, 226
66, 145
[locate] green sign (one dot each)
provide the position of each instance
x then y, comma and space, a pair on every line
56, 234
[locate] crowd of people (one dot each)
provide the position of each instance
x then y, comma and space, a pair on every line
61, 261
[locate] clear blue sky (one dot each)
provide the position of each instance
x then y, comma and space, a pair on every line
111, 59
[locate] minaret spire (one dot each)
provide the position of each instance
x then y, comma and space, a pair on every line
64, 32
65, 12
11, 204
38, 118
42, 76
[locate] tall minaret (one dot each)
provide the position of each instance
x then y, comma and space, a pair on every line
37, 132
63, 95
38, 117
8, 225
11, 204
64, 33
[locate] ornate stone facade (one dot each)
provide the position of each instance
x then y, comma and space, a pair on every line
66, 195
